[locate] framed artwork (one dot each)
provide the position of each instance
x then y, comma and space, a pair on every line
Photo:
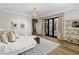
22, 25
14, 25
75, 23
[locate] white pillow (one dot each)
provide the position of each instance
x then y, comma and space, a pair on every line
0, 36
2, 48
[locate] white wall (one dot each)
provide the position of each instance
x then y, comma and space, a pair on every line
39, 26
5, 21
72, 15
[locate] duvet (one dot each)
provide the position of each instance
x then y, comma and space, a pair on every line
20, 45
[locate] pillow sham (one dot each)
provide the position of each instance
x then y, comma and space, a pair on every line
11, 36
4, 37
0, 36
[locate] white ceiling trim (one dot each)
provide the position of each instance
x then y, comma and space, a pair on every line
26, 9
13, 12
68, 9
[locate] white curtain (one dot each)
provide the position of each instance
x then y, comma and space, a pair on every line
60, 27
43, 27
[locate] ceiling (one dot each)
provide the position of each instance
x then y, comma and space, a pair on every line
26, 8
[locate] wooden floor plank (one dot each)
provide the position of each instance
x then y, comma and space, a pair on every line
64, 49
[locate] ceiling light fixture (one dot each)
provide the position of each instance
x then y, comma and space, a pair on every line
35, 13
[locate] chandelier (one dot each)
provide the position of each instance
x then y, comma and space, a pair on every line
35, 13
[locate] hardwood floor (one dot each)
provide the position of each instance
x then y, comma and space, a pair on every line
61, 50
64, 49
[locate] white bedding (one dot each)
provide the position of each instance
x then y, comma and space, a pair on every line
25, 42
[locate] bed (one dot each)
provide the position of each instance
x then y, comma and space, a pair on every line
22, 44
23, 41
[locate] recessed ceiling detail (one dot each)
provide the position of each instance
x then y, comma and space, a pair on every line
26, 8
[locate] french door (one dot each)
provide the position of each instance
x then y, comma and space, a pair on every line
51, 26
46, 27
55, 27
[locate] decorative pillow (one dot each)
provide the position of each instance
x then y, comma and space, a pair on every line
4, 37
15, 34
0, 36
11, 36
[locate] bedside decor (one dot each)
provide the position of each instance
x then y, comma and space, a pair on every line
75, 23
14, 25
22, 25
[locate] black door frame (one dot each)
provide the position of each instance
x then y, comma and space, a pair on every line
33, 22
52, 27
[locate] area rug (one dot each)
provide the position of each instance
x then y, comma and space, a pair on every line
43, 48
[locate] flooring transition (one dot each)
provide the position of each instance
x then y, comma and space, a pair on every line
64, 49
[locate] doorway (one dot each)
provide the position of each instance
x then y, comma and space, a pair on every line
34, 23
51, 27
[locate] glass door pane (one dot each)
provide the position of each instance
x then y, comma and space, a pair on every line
50, 27
55, 27
46, 27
